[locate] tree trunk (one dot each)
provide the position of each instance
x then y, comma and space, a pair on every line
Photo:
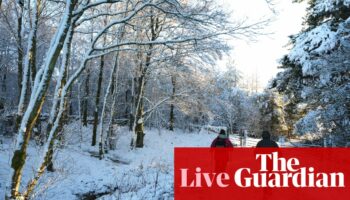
50, 144
33, 60
139, 121
110, 131
79, 114
61, 82
139, 118
19, 60
132, 104
86, 97
4, 77
97, 102
40, 89
111, 88
155, 29
172, 118
47, 162
29, 71
19, 49
34, 181
114, 76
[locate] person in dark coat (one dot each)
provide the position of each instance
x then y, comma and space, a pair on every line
266, 141
221, 156
222, 140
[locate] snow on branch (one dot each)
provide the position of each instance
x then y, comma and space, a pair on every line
94, 4
82, 20
194, 39
148, 112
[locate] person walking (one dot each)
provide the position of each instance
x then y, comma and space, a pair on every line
221, 156
266, 140
221, 140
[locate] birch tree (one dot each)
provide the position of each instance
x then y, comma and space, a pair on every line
37, 99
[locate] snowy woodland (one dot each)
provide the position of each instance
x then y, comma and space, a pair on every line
95, 94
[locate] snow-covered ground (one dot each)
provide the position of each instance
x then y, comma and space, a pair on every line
145, 173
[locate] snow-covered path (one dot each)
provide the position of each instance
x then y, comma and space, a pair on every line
251, 142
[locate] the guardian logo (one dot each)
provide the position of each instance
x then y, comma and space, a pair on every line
274, 172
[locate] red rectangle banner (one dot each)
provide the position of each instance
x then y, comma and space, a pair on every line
262, 173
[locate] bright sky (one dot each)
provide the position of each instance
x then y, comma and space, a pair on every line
262, 56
